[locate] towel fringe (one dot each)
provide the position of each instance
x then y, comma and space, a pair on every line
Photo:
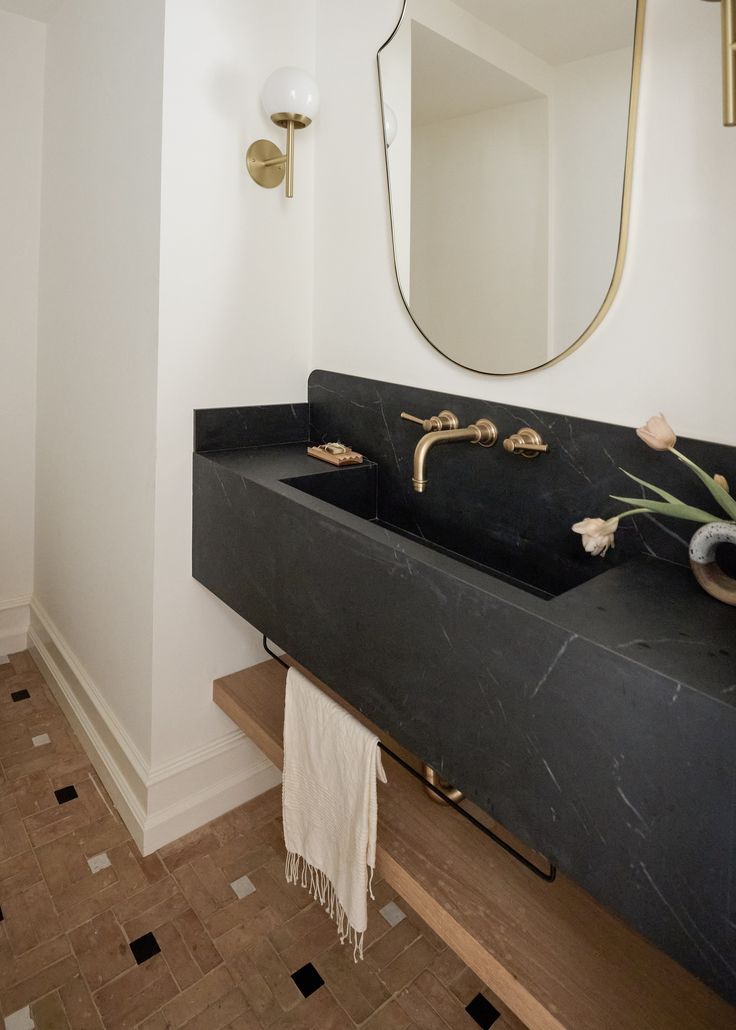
298, 871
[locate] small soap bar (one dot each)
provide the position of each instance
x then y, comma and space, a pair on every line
336, 454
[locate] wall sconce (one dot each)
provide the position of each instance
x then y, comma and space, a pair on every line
291, 99
728, 28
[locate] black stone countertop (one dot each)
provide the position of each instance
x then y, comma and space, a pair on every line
637, 610
598, 725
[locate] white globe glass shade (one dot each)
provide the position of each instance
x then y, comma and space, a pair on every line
292, 91
390, 124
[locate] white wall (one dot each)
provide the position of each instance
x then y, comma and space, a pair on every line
98, 317
235, 328
588, 129
479, 240
22, 45
169, 281
459, 26
668, 341
396, 71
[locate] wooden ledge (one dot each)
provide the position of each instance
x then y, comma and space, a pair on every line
550, 952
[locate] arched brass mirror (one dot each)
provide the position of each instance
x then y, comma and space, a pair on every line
509, 138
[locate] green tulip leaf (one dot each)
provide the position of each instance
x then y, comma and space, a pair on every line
655, 489
675, 510
723, 497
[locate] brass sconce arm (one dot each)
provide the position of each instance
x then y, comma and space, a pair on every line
728, 30
268, 166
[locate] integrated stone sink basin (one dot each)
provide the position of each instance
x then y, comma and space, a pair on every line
499, 553
589, 705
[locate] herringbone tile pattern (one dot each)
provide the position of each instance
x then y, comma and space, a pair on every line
75, 892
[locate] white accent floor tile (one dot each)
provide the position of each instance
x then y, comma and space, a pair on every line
98, 862
41, 739
20, 1020
392, 913
4, 660
243, 887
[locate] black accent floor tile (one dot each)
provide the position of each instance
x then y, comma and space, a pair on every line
64, 794
481, 1010
144, 947
1, 915
20, 695
307, 979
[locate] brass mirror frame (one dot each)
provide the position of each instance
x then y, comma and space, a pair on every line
623, 238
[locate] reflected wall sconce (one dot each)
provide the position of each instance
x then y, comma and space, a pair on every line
390, 124
290, 97
728, 28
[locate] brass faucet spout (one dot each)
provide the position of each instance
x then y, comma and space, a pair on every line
428, 441
483, 432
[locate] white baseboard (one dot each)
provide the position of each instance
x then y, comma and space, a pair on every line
158, 804
197, 809
15, 613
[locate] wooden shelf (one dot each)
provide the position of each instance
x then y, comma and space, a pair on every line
549, 952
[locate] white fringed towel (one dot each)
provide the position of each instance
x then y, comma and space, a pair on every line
330, 805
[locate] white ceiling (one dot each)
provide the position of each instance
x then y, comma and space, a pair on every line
39, 10
449, 81
559, 31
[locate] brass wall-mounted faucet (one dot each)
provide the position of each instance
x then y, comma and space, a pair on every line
444, 428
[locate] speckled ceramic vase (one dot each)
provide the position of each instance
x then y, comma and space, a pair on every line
703, 560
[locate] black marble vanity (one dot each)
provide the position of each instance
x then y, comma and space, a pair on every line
589, 704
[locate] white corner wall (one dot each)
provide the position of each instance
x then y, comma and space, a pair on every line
169, 281
667, 342
235, 328
462, 294
22, 47
98, 321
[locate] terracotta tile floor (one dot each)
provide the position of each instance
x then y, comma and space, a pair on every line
92, 935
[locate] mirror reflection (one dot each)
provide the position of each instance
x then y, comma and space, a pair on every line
507, 125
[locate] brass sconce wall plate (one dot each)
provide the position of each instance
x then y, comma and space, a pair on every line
258, 162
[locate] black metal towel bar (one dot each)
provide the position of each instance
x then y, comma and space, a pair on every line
548, 876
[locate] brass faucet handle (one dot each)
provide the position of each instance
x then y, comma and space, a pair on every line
527, 442
445, 420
